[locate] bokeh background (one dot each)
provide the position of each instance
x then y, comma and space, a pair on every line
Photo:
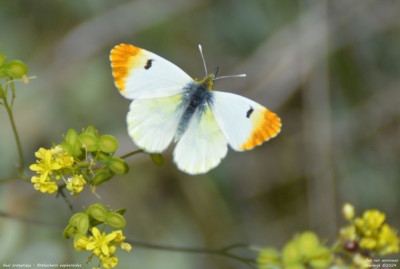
329, 69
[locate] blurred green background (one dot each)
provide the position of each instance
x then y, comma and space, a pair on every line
329, 69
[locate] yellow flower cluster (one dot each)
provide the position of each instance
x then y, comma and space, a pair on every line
303, 251
50, 164
103, 246
371, 232
75, 184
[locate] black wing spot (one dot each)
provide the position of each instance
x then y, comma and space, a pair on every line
148, 64
249, 112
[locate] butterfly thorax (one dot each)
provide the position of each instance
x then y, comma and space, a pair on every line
208, 81
194, 102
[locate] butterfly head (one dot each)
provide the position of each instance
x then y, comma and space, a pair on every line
208, 81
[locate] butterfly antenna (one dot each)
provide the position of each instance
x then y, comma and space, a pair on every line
202, 57
216, 71
232, 76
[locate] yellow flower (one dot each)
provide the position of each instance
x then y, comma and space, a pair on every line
361, 262
119, 237
348, 232
41, 153
100, 241
370, 222
62, 157
75, 184
368, 243
81, 243
109, 262
126, 246
388, 241
98, 253
119, 240
348, 211
46, 165
268, 257
44, 185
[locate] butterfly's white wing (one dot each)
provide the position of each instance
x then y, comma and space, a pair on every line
244, 123
139, 73
202, 146
152, 123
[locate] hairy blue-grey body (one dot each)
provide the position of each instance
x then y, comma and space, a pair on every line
196, 96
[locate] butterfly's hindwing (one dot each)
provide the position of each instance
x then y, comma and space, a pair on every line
244, 123
202, 145
152, 123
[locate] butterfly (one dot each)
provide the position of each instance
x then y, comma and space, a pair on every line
168, 105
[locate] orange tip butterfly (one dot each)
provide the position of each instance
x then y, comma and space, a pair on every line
168, 105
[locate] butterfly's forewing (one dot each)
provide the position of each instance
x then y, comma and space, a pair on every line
244, 123
139, 73
202, 146
152, 122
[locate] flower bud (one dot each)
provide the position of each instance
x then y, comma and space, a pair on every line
91, 130
16, 69
120, 211
291, 253
101, 177
89, 141
116, 220
98, 212
108, 143
308, 243
83, 224
323, 258
157, 159
72, 137
73, 221
348, 211
295, 266
69, 231
268, 256
320, 263
118, 166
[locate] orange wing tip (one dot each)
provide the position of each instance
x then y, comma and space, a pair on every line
267, 126
122, 62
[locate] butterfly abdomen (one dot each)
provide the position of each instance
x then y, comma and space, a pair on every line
196, 97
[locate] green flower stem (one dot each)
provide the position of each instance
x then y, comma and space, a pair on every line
224, 251
14, 128
131, 153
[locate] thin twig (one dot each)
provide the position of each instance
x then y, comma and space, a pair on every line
223, 251
14, 128
131, 153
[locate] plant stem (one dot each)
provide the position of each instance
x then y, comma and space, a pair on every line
131, 153
17, 140
223, 251
14, 128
